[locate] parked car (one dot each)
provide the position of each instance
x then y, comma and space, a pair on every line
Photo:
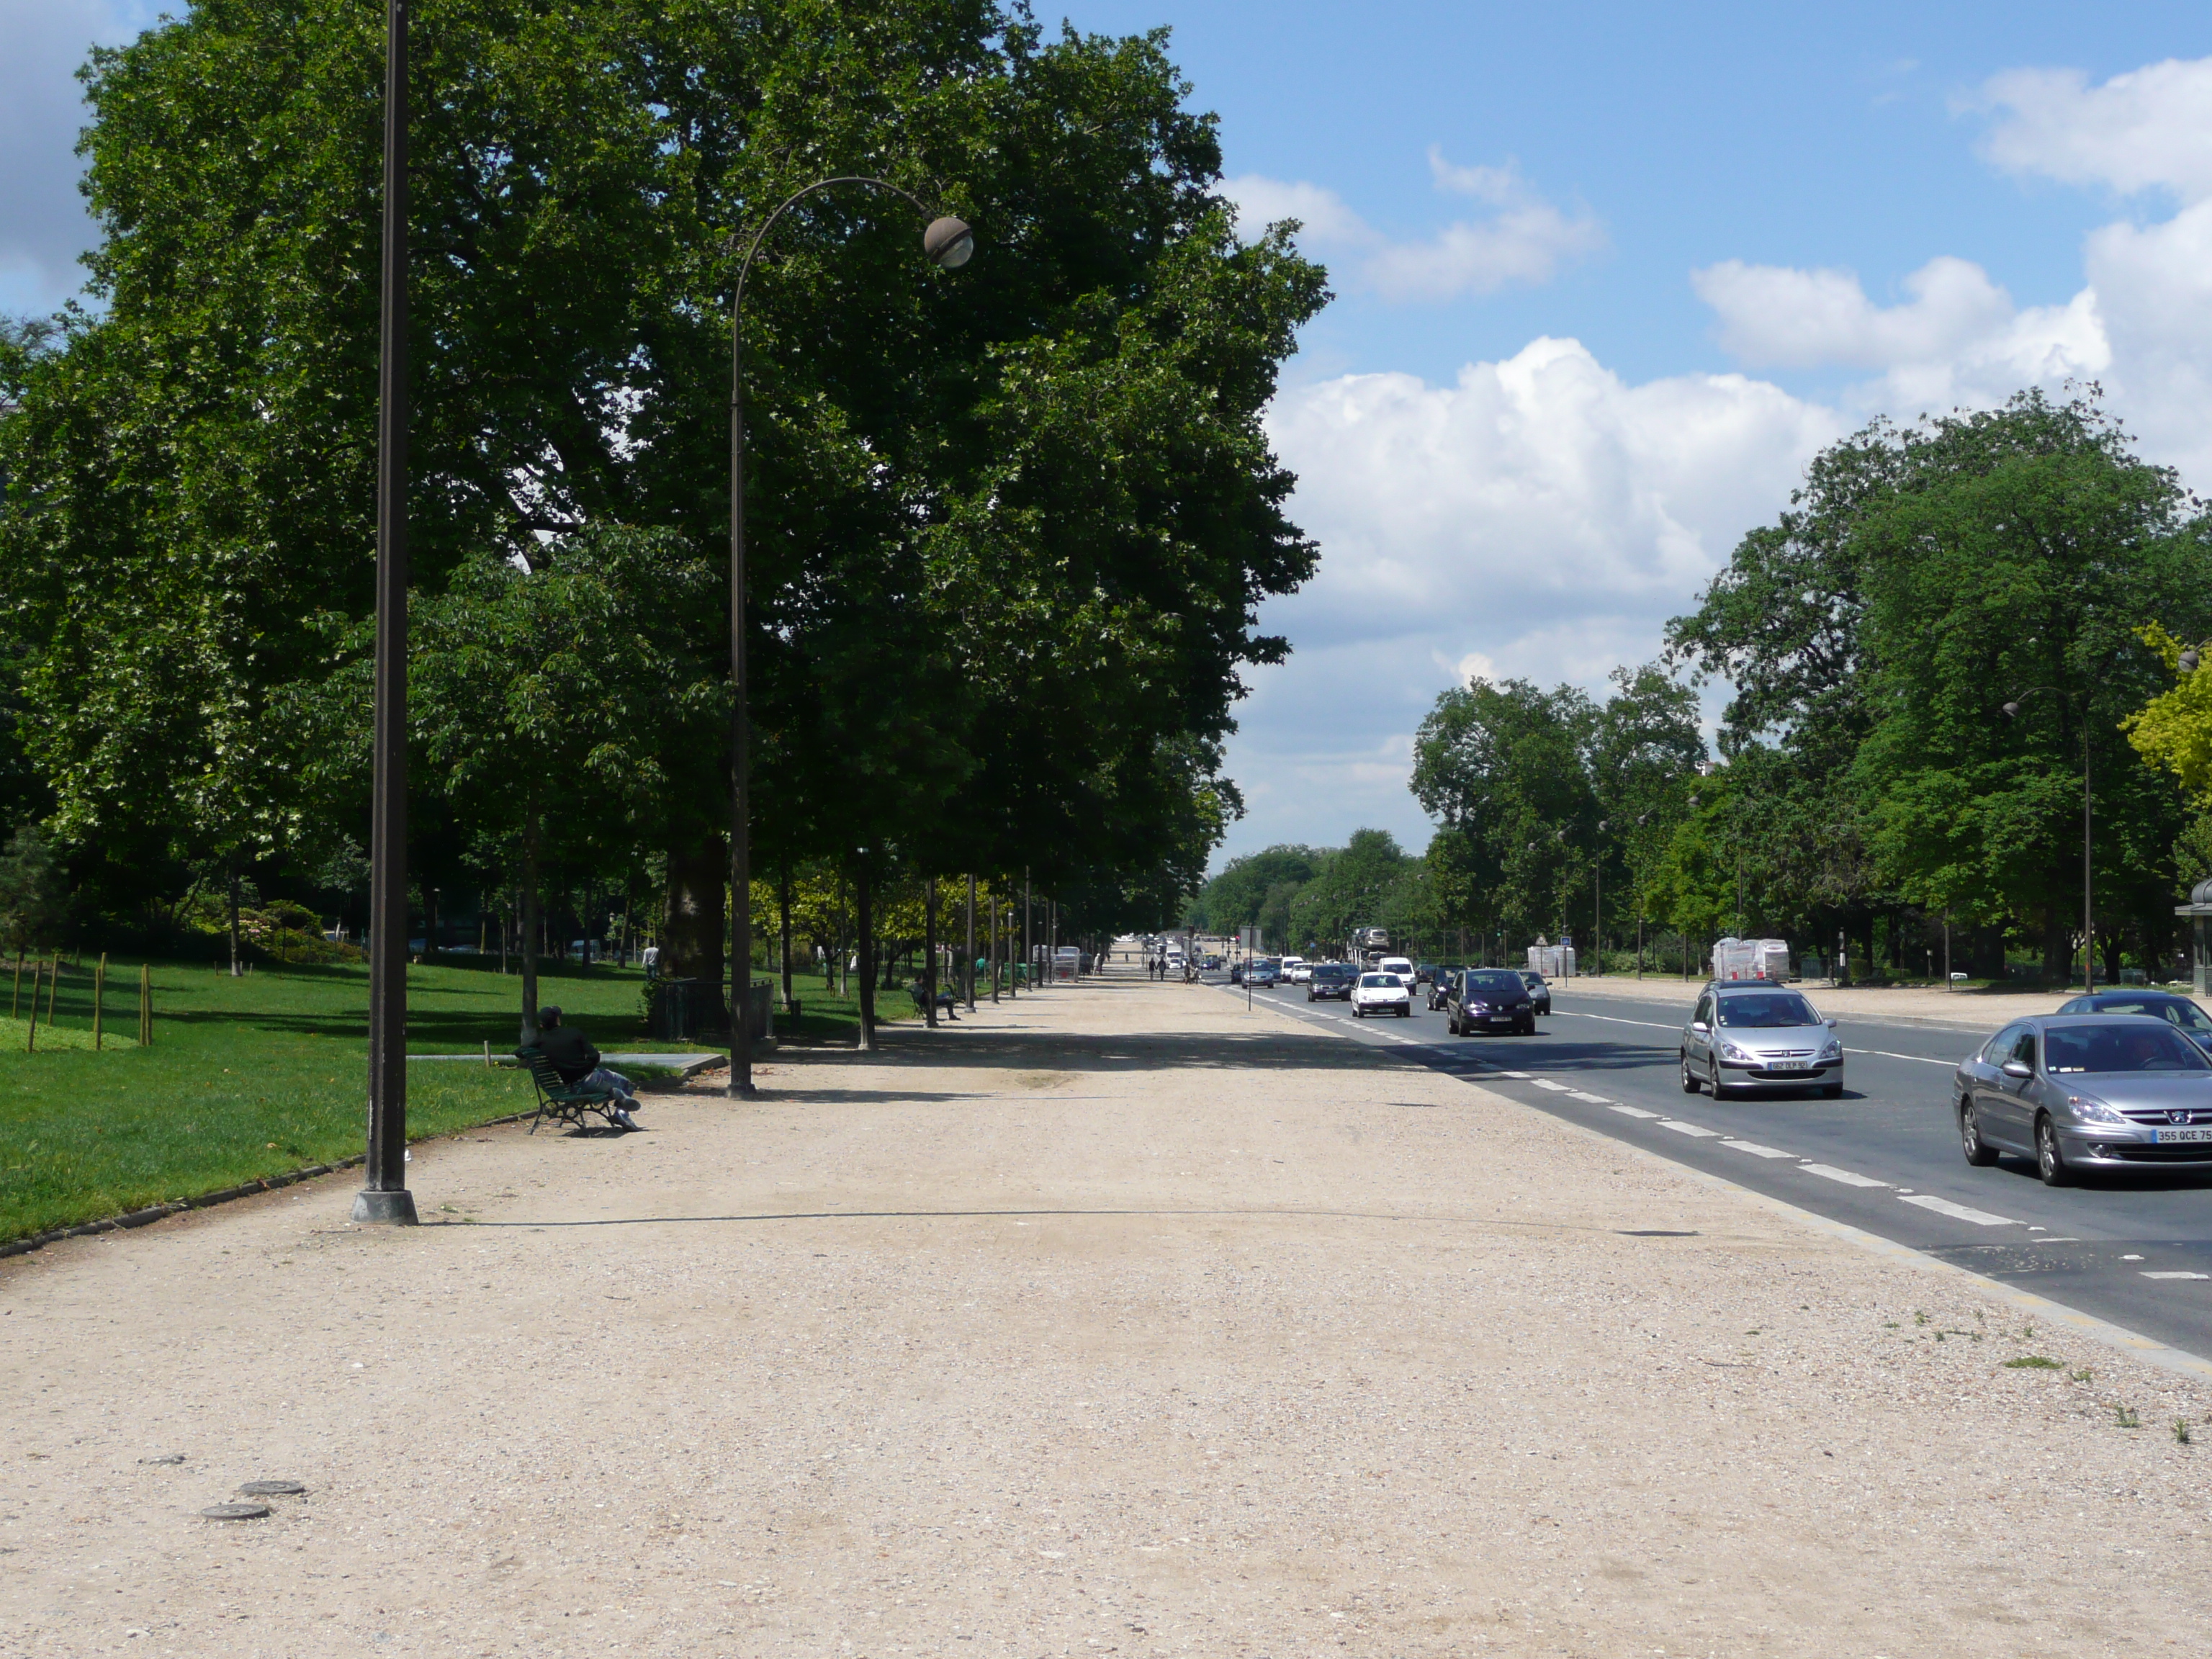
1331, 978
1485, 999
2081, 1093
1539, 994
2195, 1023
1747, 1033
1381, 993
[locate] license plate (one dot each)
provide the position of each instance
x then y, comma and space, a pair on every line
2181, 1137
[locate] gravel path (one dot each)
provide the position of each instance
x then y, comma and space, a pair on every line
1119, 1322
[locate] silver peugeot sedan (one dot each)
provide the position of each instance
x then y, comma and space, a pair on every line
1753, 1033
2078, 1092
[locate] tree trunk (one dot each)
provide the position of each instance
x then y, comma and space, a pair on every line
929, 954
864, 929
235, 968
692, 930
530, 919
783, 923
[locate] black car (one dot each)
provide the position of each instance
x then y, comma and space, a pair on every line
2194, 1024
1424, 974
1236, 973
1539, 993
1487, 998
1331, 978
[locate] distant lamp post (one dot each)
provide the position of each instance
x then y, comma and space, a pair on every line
2011, 711
949, 243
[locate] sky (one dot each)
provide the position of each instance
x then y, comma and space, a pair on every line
1608, 276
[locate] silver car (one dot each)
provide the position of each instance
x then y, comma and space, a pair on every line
2078, 1092
1753, 1034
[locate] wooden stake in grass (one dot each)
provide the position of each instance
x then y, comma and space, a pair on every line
53, 984
15, 1002
31, 1031
145, 1005
99, 989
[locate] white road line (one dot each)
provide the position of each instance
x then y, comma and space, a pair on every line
1612, 1019
2054, 1241
1755, 1149
1682, 1129
1595, 1100
2177, 1275
1850, 1178
1521, 1076
1556, 1088
1960, 1211
1634, 1111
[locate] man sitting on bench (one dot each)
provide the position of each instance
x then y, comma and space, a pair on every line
577, 1062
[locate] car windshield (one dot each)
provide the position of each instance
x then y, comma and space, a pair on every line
2069, 1049
2179, 1010
1508, 983
1380, 981
1766, 1010
1529, 976
1332, 970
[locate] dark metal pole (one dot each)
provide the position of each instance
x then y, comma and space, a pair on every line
740, 1085
968, 964
383, 1196
2089, 889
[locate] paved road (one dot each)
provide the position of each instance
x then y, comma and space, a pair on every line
2137, 1250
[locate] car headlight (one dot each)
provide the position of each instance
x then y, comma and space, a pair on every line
1729, 1051
1833, 1051
1478, 1007
2090, 1110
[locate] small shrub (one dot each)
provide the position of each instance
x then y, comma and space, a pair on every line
2033, 1362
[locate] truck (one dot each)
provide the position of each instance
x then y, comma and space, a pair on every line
1751, 958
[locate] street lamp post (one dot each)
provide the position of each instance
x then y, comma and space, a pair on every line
2011, 711
947, 243
383, 1196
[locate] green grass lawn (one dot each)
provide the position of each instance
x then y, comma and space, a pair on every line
255, 1076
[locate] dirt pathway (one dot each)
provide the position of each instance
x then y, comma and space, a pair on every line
1120, 1322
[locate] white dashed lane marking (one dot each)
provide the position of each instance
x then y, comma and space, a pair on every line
1595, 1100
1849, 1177
1634, 1111
1755, 1149
1556, 1088
1654, 1025
1682, 1129
2177, 1275
1960, 1211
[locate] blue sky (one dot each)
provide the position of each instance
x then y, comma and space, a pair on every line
1608, 276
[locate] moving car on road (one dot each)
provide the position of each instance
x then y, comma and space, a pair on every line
2183, 1012
1296, 970
2078, 1092
1539, 994
1381, 993
1486, 999
1398, 965
1747, 1033
1263, 973
1331, 978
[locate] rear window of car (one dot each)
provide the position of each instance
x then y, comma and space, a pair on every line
1508, 983
2071, 1049
1755, 1010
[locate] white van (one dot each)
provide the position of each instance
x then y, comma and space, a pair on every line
1398, 965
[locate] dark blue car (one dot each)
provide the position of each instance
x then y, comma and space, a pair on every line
2179, 1010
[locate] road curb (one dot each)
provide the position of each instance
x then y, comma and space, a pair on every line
2134, 1344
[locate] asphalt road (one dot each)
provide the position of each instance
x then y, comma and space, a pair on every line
2134, 1249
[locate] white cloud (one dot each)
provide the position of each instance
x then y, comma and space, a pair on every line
1957, 339
1540, 517
2148, 129
1525, 241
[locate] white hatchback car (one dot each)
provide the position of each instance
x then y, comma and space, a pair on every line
1296, 970
1381, 993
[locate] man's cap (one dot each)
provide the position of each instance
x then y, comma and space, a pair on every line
548, 1015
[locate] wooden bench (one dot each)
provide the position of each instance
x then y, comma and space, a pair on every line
564, 1102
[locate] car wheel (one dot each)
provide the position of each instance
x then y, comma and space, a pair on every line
2049, 1161
1529, 1028
1978, 1152
1690, 1084
1713, 1082
1831, 1090
1406, 1012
